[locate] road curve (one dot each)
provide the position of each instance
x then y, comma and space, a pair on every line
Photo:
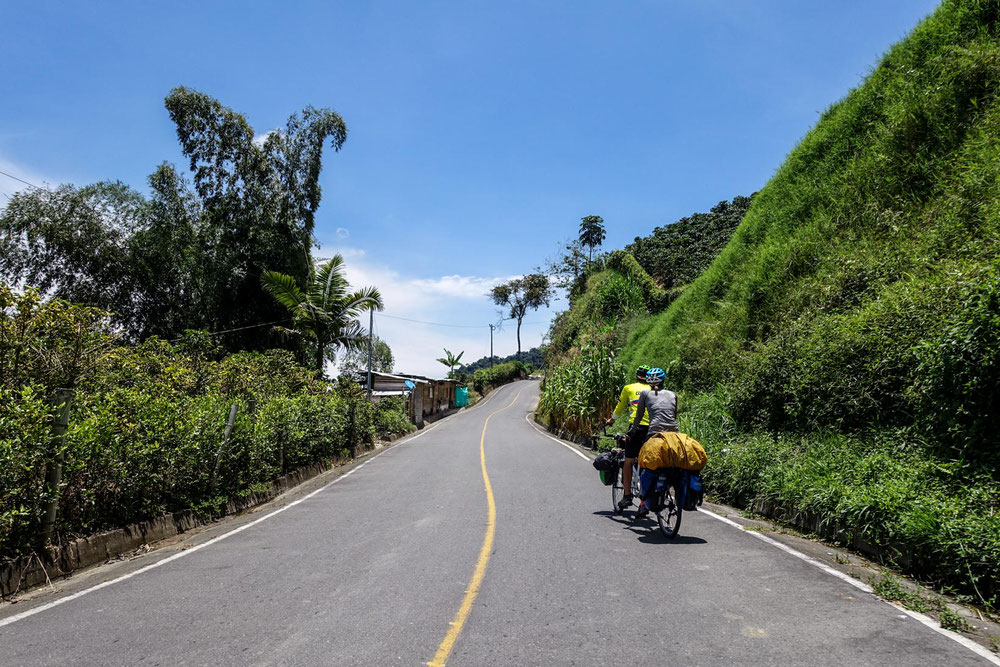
373, 569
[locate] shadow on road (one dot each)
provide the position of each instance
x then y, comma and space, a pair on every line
648, 531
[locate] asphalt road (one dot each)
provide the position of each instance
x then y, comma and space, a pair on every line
373, 568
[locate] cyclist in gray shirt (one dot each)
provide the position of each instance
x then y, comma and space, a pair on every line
661, 404
662, 407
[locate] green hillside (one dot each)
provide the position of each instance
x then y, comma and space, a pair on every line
677, 253
840, 359
861, 287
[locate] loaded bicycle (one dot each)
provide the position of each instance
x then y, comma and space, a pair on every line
663, 499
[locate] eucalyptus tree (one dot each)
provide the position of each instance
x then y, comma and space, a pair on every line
592, 233
326, 312
190, 255
520, 295
450, 360
258, 199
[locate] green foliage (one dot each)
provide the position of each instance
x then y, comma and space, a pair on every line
182, 258
520, 295
654, 298
354, 363
861, 287
611, 302
326, 311
951, 621
146, 432
889, 588
450, 360
592, 233
535, 357
390, 417
485, 379
677, 253
582, 391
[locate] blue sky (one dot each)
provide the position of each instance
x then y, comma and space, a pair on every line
479, 132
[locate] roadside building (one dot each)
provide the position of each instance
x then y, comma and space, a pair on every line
425, 399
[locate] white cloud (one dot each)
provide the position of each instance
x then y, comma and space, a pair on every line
259, 139
455, 300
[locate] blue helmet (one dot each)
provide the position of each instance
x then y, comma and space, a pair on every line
655, 376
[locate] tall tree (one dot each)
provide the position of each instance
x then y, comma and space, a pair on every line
450, 360
258, 201
183, 258
592, 233
567, 267
73, 243
520, 295
354, 362
326, 312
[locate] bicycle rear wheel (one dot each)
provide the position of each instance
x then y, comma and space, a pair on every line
669, 518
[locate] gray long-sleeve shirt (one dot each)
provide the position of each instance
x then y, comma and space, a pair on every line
662, 407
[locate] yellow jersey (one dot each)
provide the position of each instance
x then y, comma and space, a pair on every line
629, 400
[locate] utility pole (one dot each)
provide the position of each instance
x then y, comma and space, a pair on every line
371, 325
491, 345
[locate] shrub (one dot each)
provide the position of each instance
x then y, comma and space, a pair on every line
147, 422
485, 379
390, 417
583, 390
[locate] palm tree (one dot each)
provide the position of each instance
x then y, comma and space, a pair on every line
592, 233
327, 310
451, 360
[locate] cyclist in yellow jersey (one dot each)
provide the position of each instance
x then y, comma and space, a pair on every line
628, 400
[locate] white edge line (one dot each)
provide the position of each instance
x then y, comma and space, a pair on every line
978, 649
571, 448
55, 603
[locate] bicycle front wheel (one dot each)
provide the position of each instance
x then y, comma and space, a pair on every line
617, 491
669, 518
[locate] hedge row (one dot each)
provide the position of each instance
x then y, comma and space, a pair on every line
147, 423
485, 379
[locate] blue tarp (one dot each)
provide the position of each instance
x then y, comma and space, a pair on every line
461, 396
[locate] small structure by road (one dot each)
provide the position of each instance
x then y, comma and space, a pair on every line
426, 399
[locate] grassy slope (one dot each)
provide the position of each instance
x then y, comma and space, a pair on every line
845, 346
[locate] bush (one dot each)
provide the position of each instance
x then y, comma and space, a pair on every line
390, 417
485, 379
583, 390
147, 422
939, 521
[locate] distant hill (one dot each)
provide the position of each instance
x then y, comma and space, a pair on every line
534, 356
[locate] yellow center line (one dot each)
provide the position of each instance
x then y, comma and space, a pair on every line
444, 650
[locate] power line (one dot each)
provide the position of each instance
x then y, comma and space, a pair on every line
219, 333
455, 326
435, 324
21, 180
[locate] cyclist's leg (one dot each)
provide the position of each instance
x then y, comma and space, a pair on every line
627, 477
636, 438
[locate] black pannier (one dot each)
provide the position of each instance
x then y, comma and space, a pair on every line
607, 466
